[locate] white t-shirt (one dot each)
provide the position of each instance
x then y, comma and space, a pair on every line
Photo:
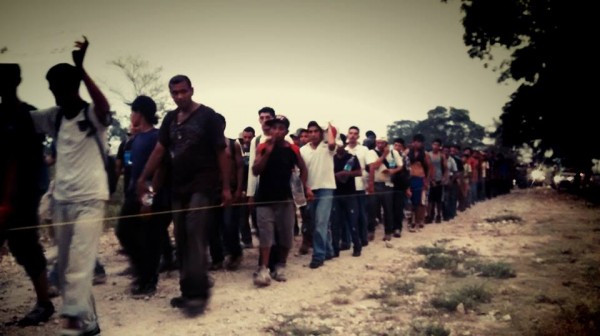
80, 174
393, 155
361, 153
319, 162
253, 179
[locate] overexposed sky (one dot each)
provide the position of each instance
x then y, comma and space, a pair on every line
352, 62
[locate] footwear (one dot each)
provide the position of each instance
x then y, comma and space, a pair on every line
126, 272
356, 253
387, 237
216, 266
99, 279
233, 262
315, 264
247, 245
143, 290
438, 219
262, 277
344, 247
178, 302
364, 243
371, 236
194, 307
397, 233
40, 314
72, 327
303, 249
279, 274
53, 291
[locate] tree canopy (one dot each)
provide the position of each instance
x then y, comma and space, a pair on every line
453, 126
550, 45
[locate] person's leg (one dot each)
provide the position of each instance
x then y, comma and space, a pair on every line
215, 239
231, 236
77, 254
245, 226
337, 221
266, 219
387, 202
352, 212
322, 236
307, 229
372, 208
363, 217
284, 228
191, 229
28, 252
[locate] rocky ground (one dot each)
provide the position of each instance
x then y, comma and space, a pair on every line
527, 263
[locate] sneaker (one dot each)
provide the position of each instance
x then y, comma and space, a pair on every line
216, 266
40, 314
303, 249
356, 253
233, 262
315, 264
279, 274
262, 278
178, 302
371, 236
397, 233
438, 219
387, 237
72, 327
143, 290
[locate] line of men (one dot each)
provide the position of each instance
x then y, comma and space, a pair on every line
188, 167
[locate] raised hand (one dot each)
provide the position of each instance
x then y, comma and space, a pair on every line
79, 53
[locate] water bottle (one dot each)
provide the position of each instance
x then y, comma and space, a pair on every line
349, 164
297, 189
391, 160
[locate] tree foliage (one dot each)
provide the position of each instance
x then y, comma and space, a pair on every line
143, 79
550, 45
452, 126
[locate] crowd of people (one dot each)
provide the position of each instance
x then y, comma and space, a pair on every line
217, 192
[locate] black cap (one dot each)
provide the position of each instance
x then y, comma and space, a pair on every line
147, 107
279, 119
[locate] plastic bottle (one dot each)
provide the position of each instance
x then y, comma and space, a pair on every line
391, 160
349, 164
297, 189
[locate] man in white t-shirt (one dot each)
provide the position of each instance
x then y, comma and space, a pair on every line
80, 189
383, 163
361, 153
318, 156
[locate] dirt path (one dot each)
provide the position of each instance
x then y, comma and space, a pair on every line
539, 249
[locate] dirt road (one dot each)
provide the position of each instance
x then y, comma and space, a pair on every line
527, 263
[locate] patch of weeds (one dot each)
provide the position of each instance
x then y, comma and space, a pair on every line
293, 325
428, 250
579, 320
441, 261
400, 287
339, 300
504, 218
498, 270
470, 296
346, 290
429, 329
542, 298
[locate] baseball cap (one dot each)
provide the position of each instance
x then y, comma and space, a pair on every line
279, 119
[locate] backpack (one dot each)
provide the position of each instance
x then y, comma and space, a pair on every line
110, 164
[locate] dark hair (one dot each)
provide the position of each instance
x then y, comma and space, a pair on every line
438, 140
300, 131
250, 129
64, 76
354, 127
370, 134
146, 107
10, 72
419, 137
400, 141
455, 146
180, 79
314, 124
268, 110
343, 138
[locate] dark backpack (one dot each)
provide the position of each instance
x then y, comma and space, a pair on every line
110, 163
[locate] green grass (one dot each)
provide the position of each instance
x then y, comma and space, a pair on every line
429, 250
441, 261
469, 295
498, 270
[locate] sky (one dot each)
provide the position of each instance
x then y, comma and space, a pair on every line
348, 62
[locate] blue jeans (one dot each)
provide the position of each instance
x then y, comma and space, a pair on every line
320, 209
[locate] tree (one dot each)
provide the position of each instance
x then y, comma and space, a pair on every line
551, 54
144, 80
452, 126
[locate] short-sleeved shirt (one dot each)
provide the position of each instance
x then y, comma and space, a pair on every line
79, 162
142, 146
319, 162
193, 146
22, 147
349, 186
124, 154
394, 156
274, 183
361, 153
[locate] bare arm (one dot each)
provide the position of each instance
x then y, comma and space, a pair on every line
304, 176
239, 164
101, 105
330, 138
224, 166
260, 162
151, 166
